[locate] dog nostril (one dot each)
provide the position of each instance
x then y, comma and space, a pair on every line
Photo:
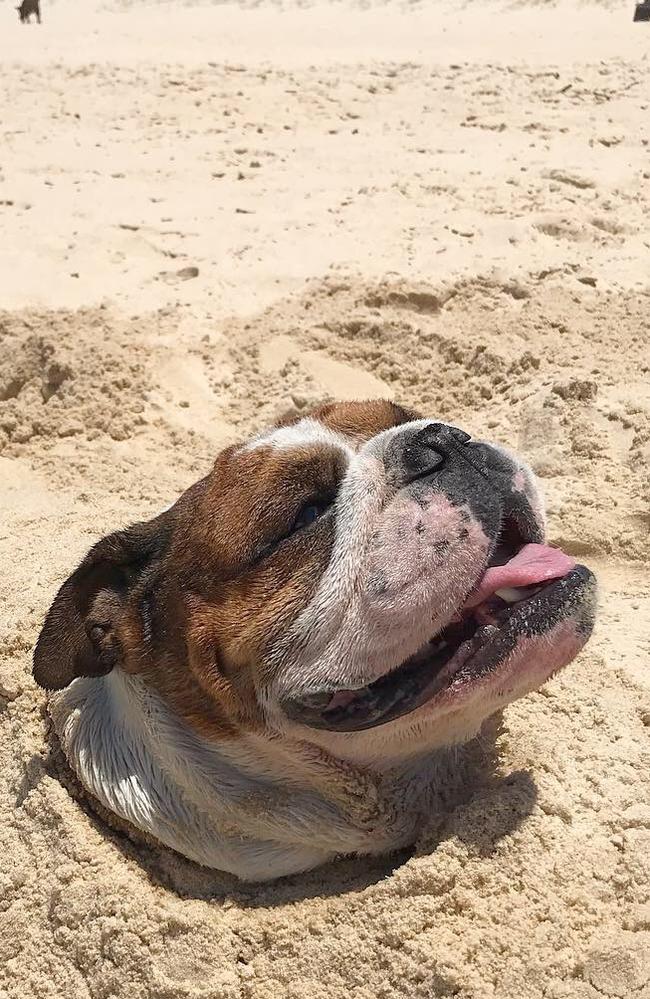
422, 451
430, 448
439, 435
420, 458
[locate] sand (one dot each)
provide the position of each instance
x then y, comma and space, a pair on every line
211, 215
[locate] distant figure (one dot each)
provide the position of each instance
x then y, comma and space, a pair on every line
27, 8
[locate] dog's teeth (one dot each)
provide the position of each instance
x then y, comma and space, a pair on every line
511, 594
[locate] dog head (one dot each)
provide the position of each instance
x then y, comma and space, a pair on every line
368, 580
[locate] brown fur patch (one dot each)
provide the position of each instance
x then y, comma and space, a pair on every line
363, 420
231, 582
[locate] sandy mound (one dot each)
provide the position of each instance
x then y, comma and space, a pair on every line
212, 216
539, 884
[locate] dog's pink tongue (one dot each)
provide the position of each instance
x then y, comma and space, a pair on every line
532, 565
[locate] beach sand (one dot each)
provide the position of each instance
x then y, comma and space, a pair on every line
211, 215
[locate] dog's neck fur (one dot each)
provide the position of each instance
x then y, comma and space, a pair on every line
256, 807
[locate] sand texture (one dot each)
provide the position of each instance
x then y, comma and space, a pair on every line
212, 215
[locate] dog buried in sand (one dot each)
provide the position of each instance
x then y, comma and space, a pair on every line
281, 667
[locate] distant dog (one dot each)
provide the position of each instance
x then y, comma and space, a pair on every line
277, 668
27, 8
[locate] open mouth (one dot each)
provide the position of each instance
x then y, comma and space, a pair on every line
525, 590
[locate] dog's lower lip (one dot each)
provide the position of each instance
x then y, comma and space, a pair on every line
452, 665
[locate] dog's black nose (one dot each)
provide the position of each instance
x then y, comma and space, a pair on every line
428, 448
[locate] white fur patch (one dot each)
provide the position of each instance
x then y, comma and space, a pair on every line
336, 635
246, 806
306, 432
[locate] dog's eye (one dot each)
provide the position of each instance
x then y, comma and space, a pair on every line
309, 515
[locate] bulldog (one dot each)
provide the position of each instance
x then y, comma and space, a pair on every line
281, 667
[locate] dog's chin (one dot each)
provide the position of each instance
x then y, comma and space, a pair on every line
492, 653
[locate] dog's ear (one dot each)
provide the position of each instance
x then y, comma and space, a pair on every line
80, 634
